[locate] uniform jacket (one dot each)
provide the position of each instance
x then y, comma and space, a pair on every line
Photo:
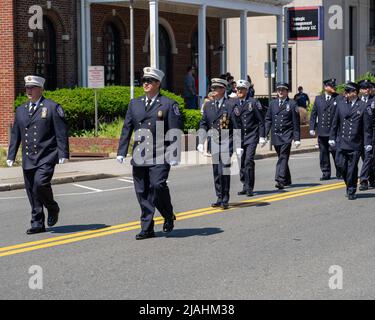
250, 119
147, 150
284, 122
43, 134
214, 119
352, 126
322, 115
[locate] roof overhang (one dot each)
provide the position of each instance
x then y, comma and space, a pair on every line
215, 8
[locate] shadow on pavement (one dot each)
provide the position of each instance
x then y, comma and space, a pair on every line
365, 195
76, 228
249, 204
184, 233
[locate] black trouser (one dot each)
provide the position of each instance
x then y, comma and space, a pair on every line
150, 184
221, 172
39, 192
325, 162
347, 161
282, 168
247, 172
368, 166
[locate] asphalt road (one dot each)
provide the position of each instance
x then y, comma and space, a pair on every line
277, 245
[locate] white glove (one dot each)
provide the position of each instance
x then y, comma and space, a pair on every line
200, 148
312, 133
239, 152
368, 148
262, 142
10, 163
120, 159
297, 144
173, 163
332, 143
62, 161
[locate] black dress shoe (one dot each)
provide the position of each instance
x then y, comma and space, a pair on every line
363, 186
53, 217
225, 206
249, 193
279, 186
324, 178
169, 224
216, 204
145, 235
241, 193
36, 230
352, 197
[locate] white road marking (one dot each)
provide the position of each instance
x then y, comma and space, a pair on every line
88, 188
126, 180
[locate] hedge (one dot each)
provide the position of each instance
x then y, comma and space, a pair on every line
113, 103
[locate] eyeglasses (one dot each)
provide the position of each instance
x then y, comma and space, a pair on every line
148, 80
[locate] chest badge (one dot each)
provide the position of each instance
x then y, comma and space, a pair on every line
250, 107
44, 112
287, 108
160, 115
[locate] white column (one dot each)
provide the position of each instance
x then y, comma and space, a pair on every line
223, 43
243, 37
131, 7
286, 47
154, 34
202, 51
83, 44
280, 55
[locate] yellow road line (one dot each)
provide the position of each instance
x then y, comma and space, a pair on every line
56, 241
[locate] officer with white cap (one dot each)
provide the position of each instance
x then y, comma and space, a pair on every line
150, 117
351, 131
249, 115
218, 121
40, 126
284, 120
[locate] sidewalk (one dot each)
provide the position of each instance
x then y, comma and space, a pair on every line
12, 178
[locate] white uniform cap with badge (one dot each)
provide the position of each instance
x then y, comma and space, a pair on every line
34, 81
243, 84
218, 82
153, 73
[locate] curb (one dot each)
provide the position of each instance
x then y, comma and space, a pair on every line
100, 176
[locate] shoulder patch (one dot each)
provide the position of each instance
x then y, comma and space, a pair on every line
259, 106
176, 110
60, 111
237, 111
370, 111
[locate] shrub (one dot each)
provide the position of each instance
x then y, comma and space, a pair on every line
78, 104
191, 119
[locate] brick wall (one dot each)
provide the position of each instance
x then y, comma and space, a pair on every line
7, 91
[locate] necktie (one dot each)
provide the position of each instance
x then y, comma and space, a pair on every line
280, 103
217, 105
328, 98
32, 108
148, 104
241, 103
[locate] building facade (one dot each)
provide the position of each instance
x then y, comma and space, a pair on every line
59, 39
349, 30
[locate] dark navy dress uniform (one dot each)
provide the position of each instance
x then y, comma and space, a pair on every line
150, 162
368, 168
352, 129
250, 120
321, 119
284, 120
43, 133
218, 122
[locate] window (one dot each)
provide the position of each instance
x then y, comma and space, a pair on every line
290, 76
165, 56
112, 55
45, 54
372, 22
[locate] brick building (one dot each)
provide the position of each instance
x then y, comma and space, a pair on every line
59, 39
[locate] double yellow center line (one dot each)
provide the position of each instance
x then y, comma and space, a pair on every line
80, 236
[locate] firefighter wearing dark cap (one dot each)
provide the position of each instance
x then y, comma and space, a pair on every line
249, 116
367, 175
218, 121
320, 123
156, 122
284, 120
352, 130
40, 126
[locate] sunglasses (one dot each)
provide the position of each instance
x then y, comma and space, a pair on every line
217, 87
148, 80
